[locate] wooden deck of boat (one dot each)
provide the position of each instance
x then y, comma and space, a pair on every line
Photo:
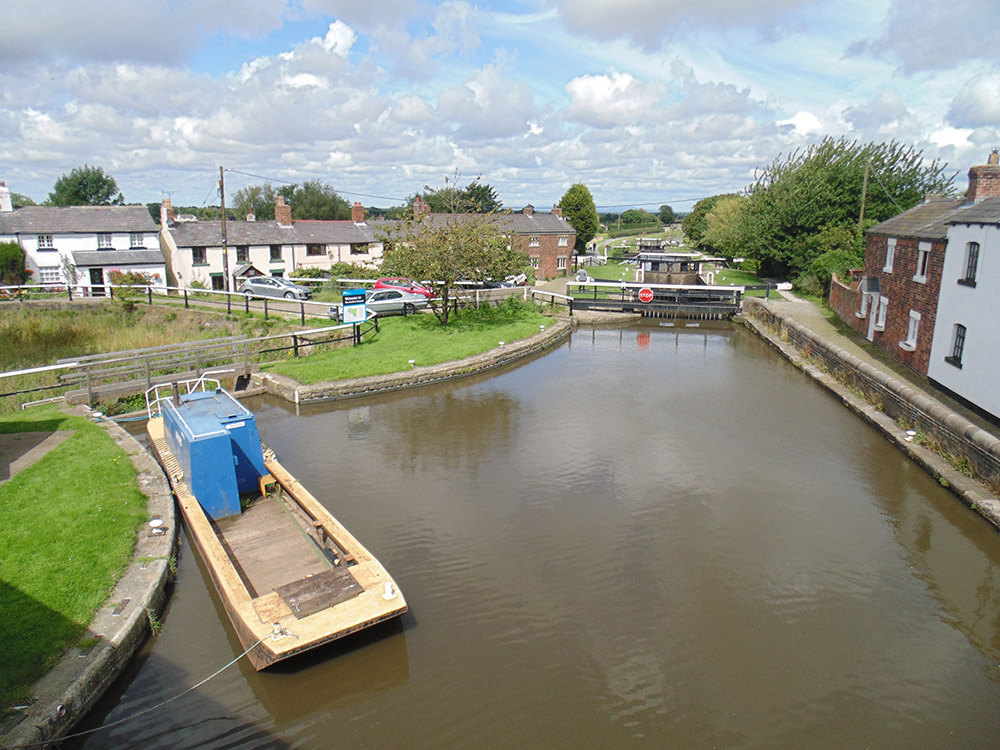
269, 548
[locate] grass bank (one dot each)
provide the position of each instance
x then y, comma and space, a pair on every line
420, 338
67, 531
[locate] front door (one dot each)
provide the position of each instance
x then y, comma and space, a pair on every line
96, 282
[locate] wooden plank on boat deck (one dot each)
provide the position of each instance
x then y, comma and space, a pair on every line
310, 595
269, 547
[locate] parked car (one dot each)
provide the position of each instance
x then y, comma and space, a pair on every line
273, 286
405, 285
394, 300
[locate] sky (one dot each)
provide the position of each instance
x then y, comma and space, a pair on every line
647, 102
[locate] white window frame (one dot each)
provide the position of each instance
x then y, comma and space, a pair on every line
923, 262
104, 241
970, 269
890, 254
911, 332
49, 275
561, 262
863, 312
563, 241
532, 242
46, 242
883, 308
136, 239
534, 262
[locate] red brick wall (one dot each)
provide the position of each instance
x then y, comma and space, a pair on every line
846, 301
905, 294
548, 251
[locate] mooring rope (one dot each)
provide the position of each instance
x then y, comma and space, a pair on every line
146, 710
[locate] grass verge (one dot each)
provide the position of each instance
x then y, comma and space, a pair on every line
67, 531
420, 338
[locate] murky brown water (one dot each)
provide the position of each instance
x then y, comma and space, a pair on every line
653, 537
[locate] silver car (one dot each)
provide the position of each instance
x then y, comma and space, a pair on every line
394, 300
273, 286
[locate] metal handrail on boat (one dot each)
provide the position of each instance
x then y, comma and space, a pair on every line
155, 395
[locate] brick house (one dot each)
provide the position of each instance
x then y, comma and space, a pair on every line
547, 239
928, 281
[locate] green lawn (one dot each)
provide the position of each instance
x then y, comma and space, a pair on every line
67, 531
421, 338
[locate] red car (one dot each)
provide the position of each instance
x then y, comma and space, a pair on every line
404, 284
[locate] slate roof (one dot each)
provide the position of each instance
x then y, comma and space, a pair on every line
93, 258
519, 223
984, 212
209, 233
76, 220
928, 221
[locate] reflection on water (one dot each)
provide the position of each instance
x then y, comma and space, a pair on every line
656, 536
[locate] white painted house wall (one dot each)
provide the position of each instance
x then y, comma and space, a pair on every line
978, 309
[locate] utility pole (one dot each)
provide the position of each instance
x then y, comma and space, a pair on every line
864, 195
225, 241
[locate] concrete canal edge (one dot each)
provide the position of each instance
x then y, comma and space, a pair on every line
290, 390
969, 490
64, 695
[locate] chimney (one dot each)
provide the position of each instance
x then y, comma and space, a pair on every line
282, 212
984, 180
5, 203
166, 213
528, 210
556, 211
420, 209
358, 213
251, 216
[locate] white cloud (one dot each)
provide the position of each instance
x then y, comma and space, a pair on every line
339, 39
608, 100
978, 103
804, 123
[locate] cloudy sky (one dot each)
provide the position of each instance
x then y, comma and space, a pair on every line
645, 101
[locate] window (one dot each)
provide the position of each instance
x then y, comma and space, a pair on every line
198, 256
275, 252
883, 307
359, 249
135, 239
957, 346
104, 242
315, 250
971, 264
923, 260
242, 253
532, 242
561, 262
534, 263
49, 275
911, 332
45, 242
563, 241
890, 254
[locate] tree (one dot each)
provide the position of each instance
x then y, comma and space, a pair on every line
476, 198
821, 187
257, 200
724, 225
86, 186
667, 215
315, 200
12, 267
696, 222
578, 209
447, 249
638, 216
19, 199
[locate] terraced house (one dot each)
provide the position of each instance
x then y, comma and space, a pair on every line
194, 250
87, 242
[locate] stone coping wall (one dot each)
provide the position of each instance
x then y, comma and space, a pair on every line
64, 695
951, 447
290, 390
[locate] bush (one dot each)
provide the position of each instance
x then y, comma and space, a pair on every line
12, 270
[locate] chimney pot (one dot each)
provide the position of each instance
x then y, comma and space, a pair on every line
984, 180
358, 213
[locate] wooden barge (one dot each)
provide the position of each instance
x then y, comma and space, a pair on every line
289, 575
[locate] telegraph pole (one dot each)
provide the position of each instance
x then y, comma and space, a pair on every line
864, 195
225, 241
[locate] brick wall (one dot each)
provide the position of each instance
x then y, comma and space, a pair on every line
548, 252
905, 294
845, 301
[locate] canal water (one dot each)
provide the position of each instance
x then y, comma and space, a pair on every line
658, 536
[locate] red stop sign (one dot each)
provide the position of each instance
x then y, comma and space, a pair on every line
646, 294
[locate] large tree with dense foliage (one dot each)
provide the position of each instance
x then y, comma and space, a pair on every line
578, 209
667, 216
475, 198
314, 199
819, 190
86, 186
446, 249
724, 224
257, 200
696, 223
